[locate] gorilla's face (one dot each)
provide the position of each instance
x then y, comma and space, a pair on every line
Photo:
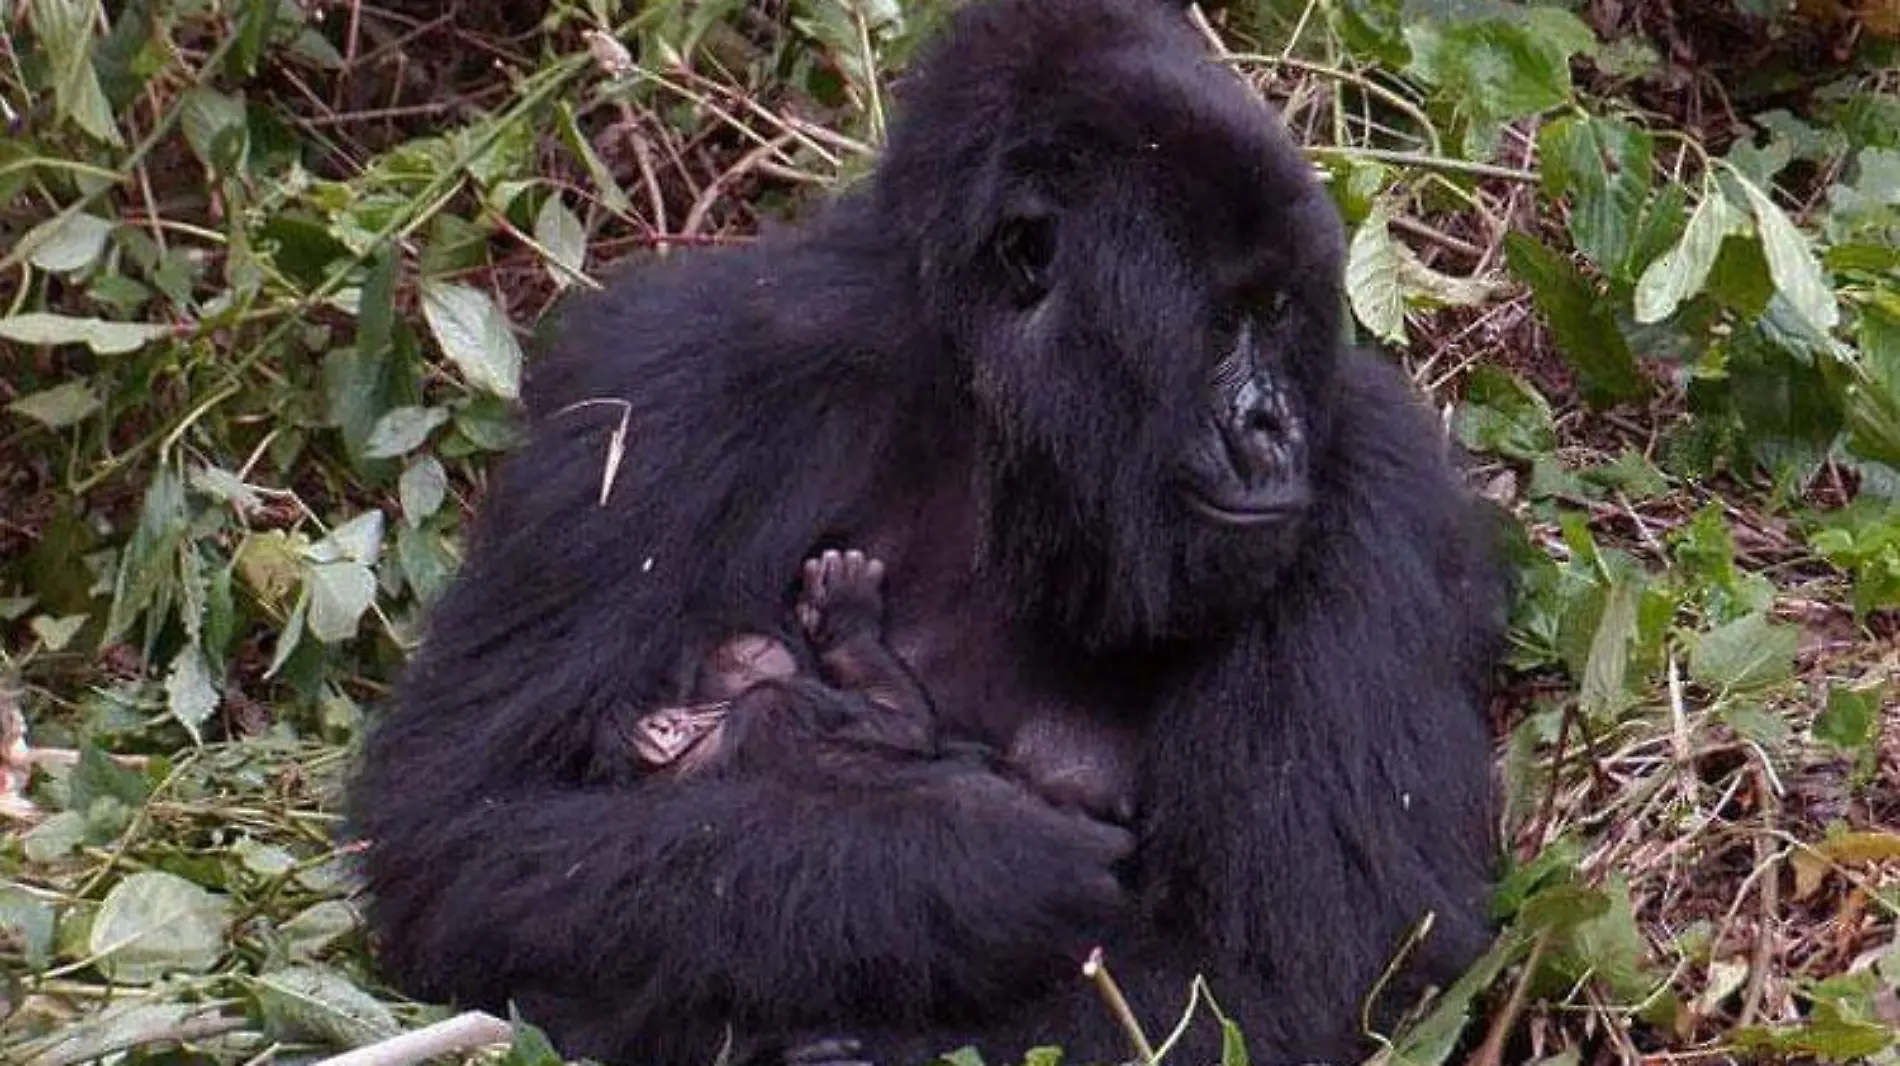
1142, 283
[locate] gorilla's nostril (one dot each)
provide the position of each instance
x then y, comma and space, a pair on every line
1262, 421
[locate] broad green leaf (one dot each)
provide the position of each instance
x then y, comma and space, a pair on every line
421, 489
475, 335
1372, 278
1605, 672
191, 696
360, 539
1504, 414
426, 561
154, 923
64, 32
319, 925
66, 243
1851, 719
339, 594
1581, 322
1748, 653
60, 406
557, 230
402, 430
1791, 262
214, 127
106, 338
311, 1002
1680, 273
1603, 165
264, 860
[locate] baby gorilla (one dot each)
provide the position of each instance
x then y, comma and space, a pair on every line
751, 710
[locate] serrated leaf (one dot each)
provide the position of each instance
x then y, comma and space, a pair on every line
1372, 278
1581, 322
154, 923
1604, 165
66, 243
1683, 270
402, 430
106, 338
422, 488
557, 230
1747, 653
1791, 262
310, 1002
191, 696
339, 594
474, 335
60, 406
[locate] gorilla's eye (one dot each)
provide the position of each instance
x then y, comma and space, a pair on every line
1026, 245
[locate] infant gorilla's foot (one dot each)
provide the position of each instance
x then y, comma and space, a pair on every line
843, 597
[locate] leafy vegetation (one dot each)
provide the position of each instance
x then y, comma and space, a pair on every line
265, 272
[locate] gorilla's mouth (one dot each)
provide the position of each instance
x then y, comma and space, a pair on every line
1247, 466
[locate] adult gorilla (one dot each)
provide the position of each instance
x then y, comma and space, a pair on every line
1070, 364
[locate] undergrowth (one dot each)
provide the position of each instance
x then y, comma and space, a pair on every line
266, 272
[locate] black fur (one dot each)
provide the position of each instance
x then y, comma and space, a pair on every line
1312, 765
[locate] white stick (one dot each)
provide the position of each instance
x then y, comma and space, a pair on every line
464, 1032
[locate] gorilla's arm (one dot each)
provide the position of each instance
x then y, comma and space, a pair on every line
506, 856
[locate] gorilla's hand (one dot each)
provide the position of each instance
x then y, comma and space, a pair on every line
1026, 836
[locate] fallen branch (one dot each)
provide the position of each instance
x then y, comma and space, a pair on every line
464, 1032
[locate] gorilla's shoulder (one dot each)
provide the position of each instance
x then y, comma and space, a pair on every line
729, 318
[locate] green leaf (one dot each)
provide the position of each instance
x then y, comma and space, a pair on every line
106, 338
1748, 653
1372, 278
215, 128
191, 696
339, 594
1503, 69
1791, 262
1682, 271
475, 335
1605, 672
557, 230
402, 430
66, 243
1502, 413
1851, 719
1581, 323
64, 32
421, 489
311, 1002
360, 539
319, 925
427, 564
60, 406
1603, 164
154, 923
